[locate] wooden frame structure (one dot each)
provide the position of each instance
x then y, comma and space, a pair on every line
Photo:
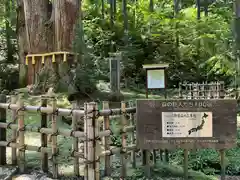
205, 90
212, 90
150, 67
90, 135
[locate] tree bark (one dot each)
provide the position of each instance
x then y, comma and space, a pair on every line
22, 43
49, 26
38, 34
66, 14
8, 29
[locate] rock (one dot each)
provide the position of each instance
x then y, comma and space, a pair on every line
32, 176
24, 177
7, 172
6, 92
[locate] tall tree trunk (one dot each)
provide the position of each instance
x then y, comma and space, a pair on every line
198, 53
49, 26
114, 8
22, 43
236, 32
206, 9
102, 10
38, 33
8, 30
111, 13
151, 6
66, 14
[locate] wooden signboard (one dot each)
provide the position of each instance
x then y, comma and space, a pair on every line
186, 124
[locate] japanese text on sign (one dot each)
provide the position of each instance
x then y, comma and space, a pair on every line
190, 104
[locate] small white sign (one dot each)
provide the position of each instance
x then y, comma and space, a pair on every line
187, 124
155, 79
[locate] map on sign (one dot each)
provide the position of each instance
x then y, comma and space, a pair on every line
187, 124
155, 79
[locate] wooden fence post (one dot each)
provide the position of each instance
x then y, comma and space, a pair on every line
21, 146
185, 164
14, 132
223, 165
3, 134
106, 141
44, 136
54, 138
132, 123
86, 140
91, 107
180, 93
96, 131
75, 141
124, 142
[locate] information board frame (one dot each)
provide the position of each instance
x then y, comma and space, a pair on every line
154, 67
224, 123
156, 85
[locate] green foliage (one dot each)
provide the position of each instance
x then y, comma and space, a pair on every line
84, 75
162, 170
204, 51
8, 46
208, 160
116, 137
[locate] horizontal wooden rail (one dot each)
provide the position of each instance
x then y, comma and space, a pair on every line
65, 112
117, 150
63, 132
47, 110
92, 134
127, 129
109, 112
41, 149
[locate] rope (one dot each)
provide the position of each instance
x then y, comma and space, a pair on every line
22, 148
55, 133
54, 154
39, 149
9, 106
9, 142
39, 109
22, 128
56, 112
39, 129
71, 112
9, 124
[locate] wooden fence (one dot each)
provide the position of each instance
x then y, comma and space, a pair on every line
205, 90
93, 131
89, 137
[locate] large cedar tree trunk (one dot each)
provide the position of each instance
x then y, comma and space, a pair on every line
38, 34
45, 27
65, 19
22, 43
